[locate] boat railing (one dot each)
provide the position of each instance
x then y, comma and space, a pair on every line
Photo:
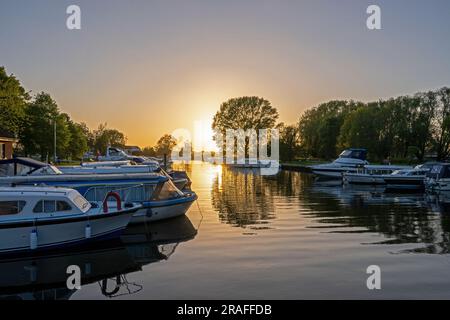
103, 191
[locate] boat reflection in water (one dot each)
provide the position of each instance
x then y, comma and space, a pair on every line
421, 220
44, 277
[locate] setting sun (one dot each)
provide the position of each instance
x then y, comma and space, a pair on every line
203, 136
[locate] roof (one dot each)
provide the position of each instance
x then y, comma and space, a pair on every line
6, 134
32, 189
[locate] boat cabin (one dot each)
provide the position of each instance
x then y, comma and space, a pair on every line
353, 153
25, 166
40, 202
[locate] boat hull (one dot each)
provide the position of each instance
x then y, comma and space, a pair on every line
164, 209
57, 233
331, 173
404, 183
366, 179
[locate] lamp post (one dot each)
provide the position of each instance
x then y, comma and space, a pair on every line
54, 140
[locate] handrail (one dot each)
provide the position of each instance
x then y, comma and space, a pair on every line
117, 190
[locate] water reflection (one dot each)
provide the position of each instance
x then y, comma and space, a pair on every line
243, 198
400, 218
44, 277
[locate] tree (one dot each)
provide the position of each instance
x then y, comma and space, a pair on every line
90, 138
361, 130
440, 101
37, 135
320, 127
289, 141
149, 152
13, 99
78, 143
165, 145
104, 137
244, 113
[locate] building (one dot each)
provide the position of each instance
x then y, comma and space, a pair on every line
7, 142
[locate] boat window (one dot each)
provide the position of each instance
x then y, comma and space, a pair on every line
345, 153
38, 207
63, 206
50, 206
11, 207
47, 206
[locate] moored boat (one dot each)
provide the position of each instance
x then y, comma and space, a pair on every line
371, 174
408, 180
149, 189
349, 161
42, 218
438, 178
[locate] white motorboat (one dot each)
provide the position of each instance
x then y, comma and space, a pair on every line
408, 180
180, 180
42, 218
349, 161
371, 174
157, 192
117, 154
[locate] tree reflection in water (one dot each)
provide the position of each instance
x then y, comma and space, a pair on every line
245, 199
401, 218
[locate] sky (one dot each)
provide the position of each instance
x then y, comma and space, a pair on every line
148, 67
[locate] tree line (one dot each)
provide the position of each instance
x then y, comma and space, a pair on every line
32, 119
406, 127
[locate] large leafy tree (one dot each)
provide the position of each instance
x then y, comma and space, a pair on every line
244, 113
289, 141
37, 135
78, 144
320, 127
441, 123
13, 99
165, 145
104, 137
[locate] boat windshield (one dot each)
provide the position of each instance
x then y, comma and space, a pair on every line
168, 191
47, 170
352, 153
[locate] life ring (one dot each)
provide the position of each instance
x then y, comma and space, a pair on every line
118, 201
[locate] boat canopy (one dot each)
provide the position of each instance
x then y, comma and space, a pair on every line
440, 171
20, 166
354, 154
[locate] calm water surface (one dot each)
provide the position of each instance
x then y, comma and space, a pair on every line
254, 237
